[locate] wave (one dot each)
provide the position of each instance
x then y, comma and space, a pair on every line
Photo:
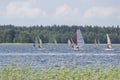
59, 54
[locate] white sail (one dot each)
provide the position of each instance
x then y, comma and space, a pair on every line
36, 42
79, 38
55, 42
40, 43
95, 42
69, 42
98, 42
72, 43
109, 45
108, 40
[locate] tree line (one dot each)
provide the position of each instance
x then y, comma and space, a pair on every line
61, 33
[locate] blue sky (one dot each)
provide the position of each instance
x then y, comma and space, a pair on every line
60, 12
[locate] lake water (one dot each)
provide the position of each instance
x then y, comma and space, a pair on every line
59, 55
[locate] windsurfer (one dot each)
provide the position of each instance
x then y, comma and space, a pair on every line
109, 46
77, 47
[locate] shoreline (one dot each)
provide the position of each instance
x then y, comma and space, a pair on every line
45, 44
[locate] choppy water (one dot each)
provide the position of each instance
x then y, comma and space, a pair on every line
59, 55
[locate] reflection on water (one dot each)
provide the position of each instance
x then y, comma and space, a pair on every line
59, 55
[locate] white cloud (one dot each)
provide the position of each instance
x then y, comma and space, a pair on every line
23, 10
66, 10
99, 12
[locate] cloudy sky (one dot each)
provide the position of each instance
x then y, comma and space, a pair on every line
60, 12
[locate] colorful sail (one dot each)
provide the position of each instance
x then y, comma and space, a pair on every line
79, 42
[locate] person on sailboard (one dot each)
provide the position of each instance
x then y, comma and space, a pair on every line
39, 46
109, 46
77, 47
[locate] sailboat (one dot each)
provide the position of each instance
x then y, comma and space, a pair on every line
79, 40
109, 45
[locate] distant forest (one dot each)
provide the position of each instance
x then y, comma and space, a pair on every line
23, 34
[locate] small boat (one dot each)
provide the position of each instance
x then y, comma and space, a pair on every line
109, 45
